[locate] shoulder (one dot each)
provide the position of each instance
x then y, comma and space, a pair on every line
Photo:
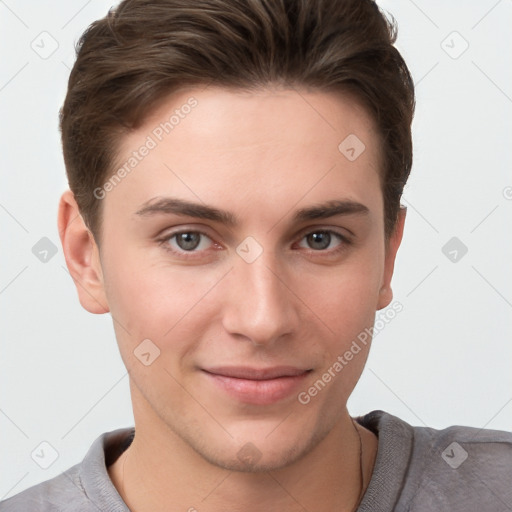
459, 468
85, 487
64, 492
422, 469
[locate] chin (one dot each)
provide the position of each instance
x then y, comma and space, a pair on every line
251, 459
257, 452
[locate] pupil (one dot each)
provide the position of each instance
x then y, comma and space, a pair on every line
323, 239
188, 241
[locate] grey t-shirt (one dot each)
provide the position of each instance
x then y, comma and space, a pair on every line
417, 469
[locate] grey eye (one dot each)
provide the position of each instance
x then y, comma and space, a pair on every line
188, 241
319, 240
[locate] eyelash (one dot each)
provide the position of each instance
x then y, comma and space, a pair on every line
345, 242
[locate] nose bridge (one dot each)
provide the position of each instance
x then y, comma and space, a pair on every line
260, 305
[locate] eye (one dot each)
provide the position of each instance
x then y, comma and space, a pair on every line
186, 242
190, 243
322, 239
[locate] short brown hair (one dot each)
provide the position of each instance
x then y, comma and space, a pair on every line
143, 50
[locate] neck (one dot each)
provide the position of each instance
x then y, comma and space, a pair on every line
159, 469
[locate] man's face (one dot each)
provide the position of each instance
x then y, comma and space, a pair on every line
272, 290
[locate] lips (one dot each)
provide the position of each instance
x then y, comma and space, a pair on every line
244, 372
257, 386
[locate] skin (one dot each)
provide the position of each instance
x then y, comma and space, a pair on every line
261, 156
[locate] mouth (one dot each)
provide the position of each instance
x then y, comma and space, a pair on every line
257, 386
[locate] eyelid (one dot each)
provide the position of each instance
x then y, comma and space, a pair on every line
335, 230
168, 233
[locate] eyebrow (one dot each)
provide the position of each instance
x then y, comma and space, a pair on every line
170, 205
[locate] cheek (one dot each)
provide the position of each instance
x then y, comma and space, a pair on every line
345, 298
156, 302
344, 302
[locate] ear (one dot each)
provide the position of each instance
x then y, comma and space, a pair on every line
386, 293
82, 255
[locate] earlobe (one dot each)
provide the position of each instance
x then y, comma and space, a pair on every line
82, 255
386, 292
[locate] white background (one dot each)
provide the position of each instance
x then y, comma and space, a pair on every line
445, 359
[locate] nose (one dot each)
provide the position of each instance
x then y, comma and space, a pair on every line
259, 306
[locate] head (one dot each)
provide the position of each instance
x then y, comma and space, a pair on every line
288, 126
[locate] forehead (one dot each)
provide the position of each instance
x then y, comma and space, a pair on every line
213, 143
260, 116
